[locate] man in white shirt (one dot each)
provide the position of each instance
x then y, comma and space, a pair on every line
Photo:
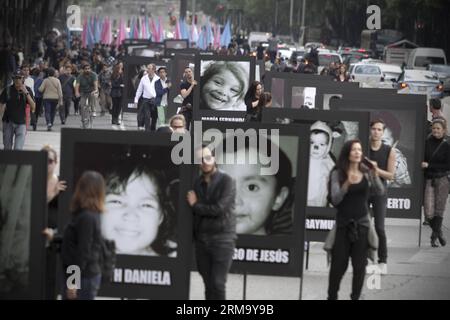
147, 111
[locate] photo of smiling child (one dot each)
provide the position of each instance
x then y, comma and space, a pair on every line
263, 204
141, 197
223, 85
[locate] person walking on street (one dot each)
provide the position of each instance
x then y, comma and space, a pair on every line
87, 89
147, 111
53, 96
68, 90
437, 167
117, 86
82, 240
212, 202
383, 156
14, 100
351, 182
104, 79
162, 87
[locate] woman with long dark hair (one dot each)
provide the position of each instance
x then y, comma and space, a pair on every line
82, 240
351, 183
117, 85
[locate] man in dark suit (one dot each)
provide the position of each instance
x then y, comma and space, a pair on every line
162, 87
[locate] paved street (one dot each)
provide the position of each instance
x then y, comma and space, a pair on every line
414, 273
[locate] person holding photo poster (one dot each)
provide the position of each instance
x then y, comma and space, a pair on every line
212, 202
82, 239
383, 157
187, 92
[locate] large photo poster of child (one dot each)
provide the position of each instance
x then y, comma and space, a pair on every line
265, 161
143, 211
403, 117
328, 132
22, 219
223, 82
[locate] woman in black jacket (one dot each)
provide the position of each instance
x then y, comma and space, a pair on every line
81, 246
351, 183
252, 98
117, 85
437, 167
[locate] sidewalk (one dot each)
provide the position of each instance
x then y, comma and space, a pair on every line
413, 272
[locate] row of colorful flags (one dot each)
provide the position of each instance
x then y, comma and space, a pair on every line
100, 30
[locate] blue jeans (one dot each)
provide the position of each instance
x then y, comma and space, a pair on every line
50, 111
89, 288
214, 259
11, 131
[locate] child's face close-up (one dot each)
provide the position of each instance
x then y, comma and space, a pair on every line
319, 145
132, 216
255, 195
222, 91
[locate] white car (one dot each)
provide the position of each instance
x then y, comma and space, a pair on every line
366, 73
390, 71
421, 82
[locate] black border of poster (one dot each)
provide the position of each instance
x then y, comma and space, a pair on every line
415, 104
37, 258
219, 116
132, 60
178, 267
294, 243
320, 215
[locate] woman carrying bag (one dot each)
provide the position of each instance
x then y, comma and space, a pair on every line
351, 182
437, 168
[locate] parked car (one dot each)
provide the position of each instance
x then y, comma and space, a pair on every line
443, 72
420, 82
420, 58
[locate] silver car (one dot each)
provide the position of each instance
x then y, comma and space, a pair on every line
420, 82
443, 72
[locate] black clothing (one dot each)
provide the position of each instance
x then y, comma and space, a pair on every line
438, 159
381, 157
354, 204
379, 203
190, 98
214, 231
81, 243
67, 85
15, 104
213, 213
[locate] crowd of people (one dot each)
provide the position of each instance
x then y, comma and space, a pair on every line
50, 81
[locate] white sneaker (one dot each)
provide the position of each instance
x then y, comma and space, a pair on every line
141, 129
383, 268
94, 114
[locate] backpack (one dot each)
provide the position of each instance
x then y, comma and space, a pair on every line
107, 259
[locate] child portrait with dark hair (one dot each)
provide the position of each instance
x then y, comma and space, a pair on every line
139, 206
263, 202
223, 85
